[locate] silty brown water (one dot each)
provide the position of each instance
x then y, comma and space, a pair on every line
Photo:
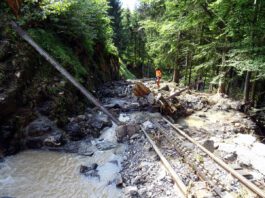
53, 174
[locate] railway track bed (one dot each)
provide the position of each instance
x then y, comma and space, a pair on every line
199, 172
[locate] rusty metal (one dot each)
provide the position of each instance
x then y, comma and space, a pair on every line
221, 163
181, 186
200, 169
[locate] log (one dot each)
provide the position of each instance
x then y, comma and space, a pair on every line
177, 93
165, 107
63, 71
140, 90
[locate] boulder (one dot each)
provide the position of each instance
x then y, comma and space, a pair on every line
100, 121
124, 131
209, 145
74, 132
89, 171
106, 145
84, 169
38, 128
82, 147
43, 132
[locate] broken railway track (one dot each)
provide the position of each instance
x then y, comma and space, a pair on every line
217, 178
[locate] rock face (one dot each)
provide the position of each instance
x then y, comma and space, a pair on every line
42, 132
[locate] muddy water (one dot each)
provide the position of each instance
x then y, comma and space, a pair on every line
210, 117
52, 174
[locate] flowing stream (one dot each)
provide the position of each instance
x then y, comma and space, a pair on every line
54, 174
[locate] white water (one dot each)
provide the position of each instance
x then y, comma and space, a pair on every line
32, 174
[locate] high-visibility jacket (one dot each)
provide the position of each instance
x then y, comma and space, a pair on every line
158, 73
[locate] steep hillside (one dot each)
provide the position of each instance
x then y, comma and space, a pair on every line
29, 86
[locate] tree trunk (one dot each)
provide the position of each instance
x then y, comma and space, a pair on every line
135, 49
186, 69
221, 87
190, 66
229, 84
176, 74
246, 87
253, 92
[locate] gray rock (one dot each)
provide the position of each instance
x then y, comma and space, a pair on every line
43, 132
106, 145
151, 98
100, 121
39, 127
119, 180
165, 88
209, 145
54, 140
90, 171
231, 157
126, 130
84, 169
131, 190
74, 132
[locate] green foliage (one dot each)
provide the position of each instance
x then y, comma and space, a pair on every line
207, 38
124, 72
73, 20
115, 15
59, 51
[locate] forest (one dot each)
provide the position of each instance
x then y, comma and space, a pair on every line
217, 42
82, 113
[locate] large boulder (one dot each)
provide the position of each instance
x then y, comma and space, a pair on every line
43, 132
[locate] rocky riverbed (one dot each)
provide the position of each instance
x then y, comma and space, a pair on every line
92, 157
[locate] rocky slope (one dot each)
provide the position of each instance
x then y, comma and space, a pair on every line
30, 89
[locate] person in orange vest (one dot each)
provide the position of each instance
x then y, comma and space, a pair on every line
158, 76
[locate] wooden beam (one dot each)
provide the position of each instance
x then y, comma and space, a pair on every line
177, 93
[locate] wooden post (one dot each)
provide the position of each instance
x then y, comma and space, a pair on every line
65, 73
